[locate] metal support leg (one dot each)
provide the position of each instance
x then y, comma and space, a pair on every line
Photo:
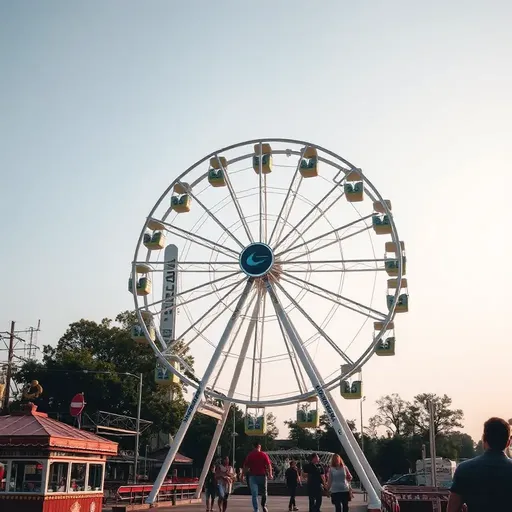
334, 414
346, 429
198, 396
227, 405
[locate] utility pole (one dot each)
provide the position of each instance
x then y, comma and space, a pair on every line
432, 444
137, 434
362, 429
10, 357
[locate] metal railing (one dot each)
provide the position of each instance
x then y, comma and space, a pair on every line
169, 492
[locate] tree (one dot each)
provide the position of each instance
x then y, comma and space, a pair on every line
87, 347
303, 438
393, 414
446, 419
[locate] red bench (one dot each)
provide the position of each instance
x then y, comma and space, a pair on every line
137, 493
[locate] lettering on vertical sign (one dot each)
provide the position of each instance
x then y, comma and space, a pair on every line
170, 284
328, 409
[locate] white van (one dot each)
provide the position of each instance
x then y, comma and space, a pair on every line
445, 469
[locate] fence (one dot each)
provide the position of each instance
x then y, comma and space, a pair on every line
414, 499
133, 494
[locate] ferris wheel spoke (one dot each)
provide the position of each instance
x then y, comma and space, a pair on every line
321, 214
182, 264
262, 338
198, 287
333, 262
286, 206
297, 368
180, 302
332, 242
215, 219
199, 240
361, 265
200, 331
334, 297
255, 349
315, 325
311, 211
323, 235
236, 202
253, 318
204, 315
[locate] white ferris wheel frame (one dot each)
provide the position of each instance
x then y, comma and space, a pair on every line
347, 370
320, 388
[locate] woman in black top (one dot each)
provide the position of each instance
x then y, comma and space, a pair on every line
292, 481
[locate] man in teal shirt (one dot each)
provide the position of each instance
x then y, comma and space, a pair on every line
484, 483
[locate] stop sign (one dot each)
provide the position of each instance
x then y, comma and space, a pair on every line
77, 405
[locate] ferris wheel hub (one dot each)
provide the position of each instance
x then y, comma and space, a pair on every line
257, 259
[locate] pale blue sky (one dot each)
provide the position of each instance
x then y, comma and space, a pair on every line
104, 103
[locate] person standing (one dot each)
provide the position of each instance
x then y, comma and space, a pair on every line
338, 484
292, 482
258, 468
316, 482
484, 483
225, 474
210, 487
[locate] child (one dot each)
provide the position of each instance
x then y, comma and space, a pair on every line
292, 481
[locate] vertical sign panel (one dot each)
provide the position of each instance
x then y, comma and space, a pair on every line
170, 285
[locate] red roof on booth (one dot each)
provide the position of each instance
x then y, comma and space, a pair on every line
30, 428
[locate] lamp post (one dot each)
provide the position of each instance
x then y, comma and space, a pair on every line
233, 435
362, 431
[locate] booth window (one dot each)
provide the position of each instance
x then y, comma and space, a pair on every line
26, 476
3, 475
58, 476
78, 471
95, 477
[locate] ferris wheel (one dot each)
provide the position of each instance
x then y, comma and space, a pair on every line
277, 265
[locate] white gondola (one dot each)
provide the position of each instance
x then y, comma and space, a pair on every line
307, 413
392, 258
255, 422
154, 241
164, 377
216, 172
138, 331
262, 157
309, 163
143, 285
351, 390
354, 187
386, 344
402, 305
380, 221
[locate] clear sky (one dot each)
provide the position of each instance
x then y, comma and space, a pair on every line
103, 103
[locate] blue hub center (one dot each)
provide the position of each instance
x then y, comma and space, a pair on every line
256, 259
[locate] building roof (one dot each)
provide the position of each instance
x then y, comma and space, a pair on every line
34, 429
161, 454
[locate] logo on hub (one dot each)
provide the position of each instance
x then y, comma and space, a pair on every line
256, 259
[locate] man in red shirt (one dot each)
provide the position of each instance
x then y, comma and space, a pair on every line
257, 468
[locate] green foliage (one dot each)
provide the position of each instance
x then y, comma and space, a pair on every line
87, 347
405, 428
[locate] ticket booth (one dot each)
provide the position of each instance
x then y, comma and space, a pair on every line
49, 466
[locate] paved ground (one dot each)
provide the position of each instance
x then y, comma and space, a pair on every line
275, 504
